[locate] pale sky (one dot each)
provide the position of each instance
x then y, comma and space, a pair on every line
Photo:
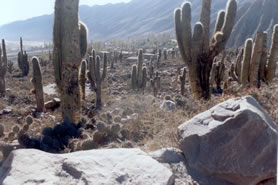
13, 10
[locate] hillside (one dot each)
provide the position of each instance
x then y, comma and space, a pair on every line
142, 17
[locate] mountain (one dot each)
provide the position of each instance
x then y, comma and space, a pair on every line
253, 16
142, 17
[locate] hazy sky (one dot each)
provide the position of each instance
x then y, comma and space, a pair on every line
12, 10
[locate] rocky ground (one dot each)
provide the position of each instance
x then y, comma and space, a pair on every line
127, 119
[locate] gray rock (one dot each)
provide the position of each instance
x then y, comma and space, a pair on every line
168, 155
115, 128
168, 105
98, 167
234, 141
101, 127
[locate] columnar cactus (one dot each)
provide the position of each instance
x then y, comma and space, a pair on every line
256, 65
134, 77
182, 81
255, 60
272, 62
37, 82
97, 77
3, 68
22, 60
82, 79
70, 46
246, 62
140, 68
155, 83
197, 51
165, 54
144, 77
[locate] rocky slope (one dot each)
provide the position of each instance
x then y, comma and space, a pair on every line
123, 20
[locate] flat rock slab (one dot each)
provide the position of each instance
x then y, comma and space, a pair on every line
98, 167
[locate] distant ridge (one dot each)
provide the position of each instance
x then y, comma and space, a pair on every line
142, 17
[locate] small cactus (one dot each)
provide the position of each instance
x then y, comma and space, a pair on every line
82, 78
37, 82
2, 129
29, 120
134, 77
22, 60
182, 81
155, 83
96, 77
3, 68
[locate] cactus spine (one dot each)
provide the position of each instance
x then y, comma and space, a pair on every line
197, 51
22, 60
272, 63
96, 77
37, 82
82, 79
3, 68
70, 46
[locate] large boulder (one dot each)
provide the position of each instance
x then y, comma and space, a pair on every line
234, 141
109, 167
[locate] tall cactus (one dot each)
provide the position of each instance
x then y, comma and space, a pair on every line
272, 63
97, 78
82, 79
37, 82
246, 62
70, 46
22, 60
140, 68
196, 49
3, 68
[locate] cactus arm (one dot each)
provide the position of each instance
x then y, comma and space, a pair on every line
104, 71
83, 31
205, 20
219, 21
186, 31
178, 31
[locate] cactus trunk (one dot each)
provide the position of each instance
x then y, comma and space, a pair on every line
69, 48
37, 82
3, 68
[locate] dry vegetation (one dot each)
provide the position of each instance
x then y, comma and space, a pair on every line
143, 122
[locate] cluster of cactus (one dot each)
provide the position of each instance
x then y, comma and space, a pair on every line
182, 78
37, 82
94, 75
196, 49
22, 60
155, 83
258, 63
218, 72
139, 73
3, 68
70, 47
